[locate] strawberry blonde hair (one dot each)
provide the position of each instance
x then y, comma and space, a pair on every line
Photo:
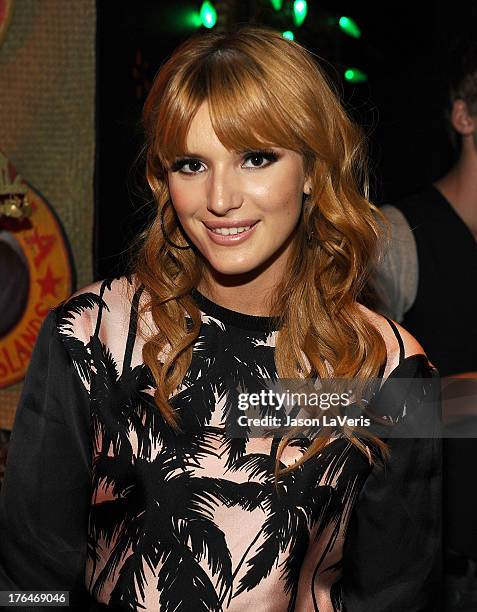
263, 89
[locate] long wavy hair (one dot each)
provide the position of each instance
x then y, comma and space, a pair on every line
262, 88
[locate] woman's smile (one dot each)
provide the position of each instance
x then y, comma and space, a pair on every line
230, 235
249, 202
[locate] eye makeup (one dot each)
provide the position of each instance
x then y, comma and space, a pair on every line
268, 154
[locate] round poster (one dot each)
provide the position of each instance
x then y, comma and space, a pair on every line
37, 273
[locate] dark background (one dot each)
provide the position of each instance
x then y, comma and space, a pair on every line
403, 50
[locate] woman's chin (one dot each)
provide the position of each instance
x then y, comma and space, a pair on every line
230, 266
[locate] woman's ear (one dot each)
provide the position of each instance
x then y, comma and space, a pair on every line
307, 187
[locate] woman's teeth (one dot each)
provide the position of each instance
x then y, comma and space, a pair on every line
226, 231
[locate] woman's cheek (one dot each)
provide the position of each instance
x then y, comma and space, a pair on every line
184, 201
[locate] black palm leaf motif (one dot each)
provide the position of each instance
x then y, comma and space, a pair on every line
144, 524
206, 351
261, 466
110, 405
113, 398
200, 390
164, 513
151, 429
304, 498
194, 405
194, 402
246, 362
78, 304
79, 352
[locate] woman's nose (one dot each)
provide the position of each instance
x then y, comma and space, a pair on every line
223, 195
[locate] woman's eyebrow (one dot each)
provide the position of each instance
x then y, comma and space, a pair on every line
236, 153
192, 154
202, 156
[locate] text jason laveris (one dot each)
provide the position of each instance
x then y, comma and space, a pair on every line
323, 421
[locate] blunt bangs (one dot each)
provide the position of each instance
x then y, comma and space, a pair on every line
245, 115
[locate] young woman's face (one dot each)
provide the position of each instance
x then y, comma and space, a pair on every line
213, 188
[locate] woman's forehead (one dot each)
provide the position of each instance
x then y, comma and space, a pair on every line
200, 130
201, 133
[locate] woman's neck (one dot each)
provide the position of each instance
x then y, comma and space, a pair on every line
247, 298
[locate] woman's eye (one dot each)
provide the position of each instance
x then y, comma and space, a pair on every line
261, 156
180, 164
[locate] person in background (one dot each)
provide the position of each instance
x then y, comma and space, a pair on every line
426, 281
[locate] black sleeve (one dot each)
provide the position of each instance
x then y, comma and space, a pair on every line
45, 498
392, 556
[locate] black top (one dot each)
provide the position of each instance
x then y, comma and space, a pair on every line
103, 499
443, 314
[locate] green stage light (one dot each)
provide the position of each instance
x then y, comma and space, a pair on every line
192, 19
349, 27
208, 15
288, 34
300, 9
277, 4
354, 75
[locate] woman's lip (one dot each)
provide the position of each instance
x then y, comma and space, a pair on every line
231, 239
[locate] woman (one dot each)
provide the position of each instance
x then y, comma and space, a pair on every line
122, 481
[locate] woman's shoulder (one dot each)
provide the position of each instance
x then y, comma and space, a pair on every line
106, 304
113, 288
400, 344
410, 390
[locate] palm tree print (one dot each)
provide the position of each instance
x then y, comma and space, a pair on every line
194, 521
